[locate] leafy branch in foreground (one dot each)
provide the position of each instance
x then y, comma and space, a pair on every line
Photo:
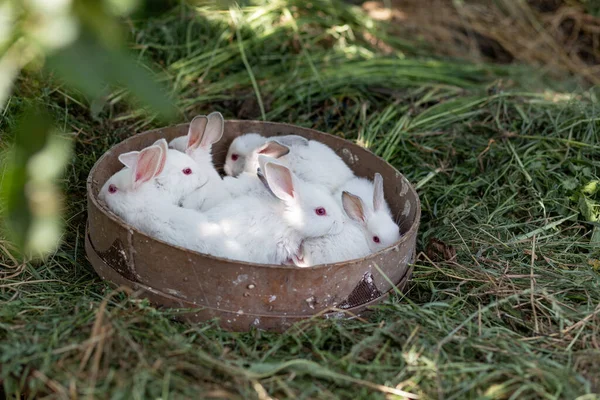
80, 42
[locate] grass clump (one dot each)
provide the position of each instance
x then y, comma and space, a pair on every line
505, 297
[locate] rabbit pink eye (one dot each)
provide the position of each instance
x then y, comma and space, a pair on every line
112, 189
320, 211
187, 171
234, 157
376, 239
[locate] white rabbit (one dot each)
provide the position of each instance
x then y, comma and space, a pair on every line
311, 161
240, 148
349, 244
375, 218
247, 182
318, 163
142, 195
270, 230
203, 132
242, 151
177, 175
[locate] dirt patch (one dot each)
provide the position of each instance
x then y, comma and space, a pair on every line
557, 35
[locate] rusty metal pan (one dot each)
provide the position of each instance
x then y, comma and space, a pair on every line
242, 295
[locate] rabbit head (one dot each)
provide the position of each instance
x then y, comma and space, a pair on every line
133, 184
378, 226
239, 150
308, 209
169, 174
181, 175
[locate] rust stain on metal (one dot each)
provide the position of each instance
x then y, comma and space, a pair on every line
243, 295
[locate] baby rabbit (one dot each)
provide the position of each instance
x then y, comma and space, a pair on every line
311, 161
270, 230
203, 132
242, 149
144, 195
373, 214
247, 182
179, 177
349, 244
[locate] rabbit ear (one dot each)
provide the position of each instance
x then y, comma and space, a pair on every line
280, 181
262, 160
273, 149
354, 207
213, 131
149, 162
195, 132
260, 172
293, 140
378, 199
162, 143
129, 159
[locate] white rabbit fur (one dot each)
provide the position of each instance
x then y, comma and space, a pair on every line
176, 177
349, 244
263, 230
376, 219
145, 196
271, 229
318, 163
179, 143
203, 132
242, 148
310, 160
247, 183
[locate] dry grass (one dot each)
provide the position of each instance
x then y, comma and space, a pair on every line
556, 37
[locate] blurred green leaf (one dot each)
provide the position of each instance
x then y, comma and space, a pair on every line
122, 7
96, 16
98, 103
81, 42
32, 212
30, 136
88, 66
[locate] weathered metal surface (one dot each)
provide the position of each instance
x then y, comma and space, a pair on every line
240, 294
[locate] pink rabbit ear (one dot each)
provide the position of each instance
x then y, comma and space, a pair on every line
129, 159
273, 149
213, 131
162, 143
354, 207
262, 160
378, 198
280, 181
149, 162
195, 132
